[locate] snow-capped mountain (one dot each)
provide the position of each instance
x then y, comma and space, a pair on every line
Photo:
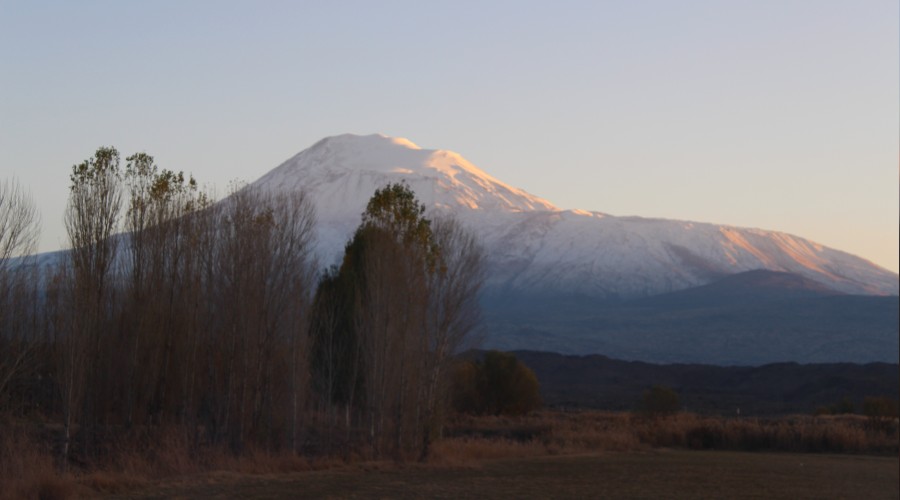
535, 247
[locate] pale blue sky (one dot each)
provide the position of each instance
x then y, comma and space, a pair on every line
781, 115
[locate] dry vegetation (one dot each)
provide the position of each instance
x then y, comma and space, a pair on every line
656, 474
28, 468
200, 341
584, 432
200, 344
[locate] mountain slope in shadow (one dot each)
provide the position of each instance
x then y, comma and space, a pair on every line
752, 318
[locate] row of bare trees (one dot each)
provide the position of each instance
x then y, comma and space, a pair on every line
171, 310
168, 310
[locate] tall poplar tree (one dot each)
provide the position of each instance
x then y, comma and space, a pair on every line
388, 319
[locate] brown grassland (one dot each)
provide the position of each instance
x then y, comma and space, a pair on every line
653, 474
544, 454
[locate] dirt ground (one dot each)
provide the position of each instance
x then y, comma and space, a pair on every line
657, 474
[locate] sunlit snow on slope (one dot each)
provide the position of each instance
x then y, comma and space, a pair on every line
535, 247
342, 172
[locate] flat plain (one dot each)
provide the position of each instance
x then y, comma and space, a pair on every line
654, 474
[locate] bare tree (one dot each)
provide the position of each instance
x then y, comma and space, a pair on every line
92, 216
390, 317
263, 273
293, 274
19, 223
139, 177
198, 230
453, 315
70, 351
161, 284
91, 220
19, 231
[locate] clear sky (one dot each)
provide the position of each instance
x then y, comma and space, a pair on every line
781, 115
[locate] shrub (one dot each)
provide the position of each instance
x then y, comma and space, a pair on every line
880, 408
843, 407
498, 385
659, 401
882, 412
26, 468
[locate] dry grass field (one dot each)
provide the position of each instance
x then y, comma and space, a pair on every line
545, 454
655, 474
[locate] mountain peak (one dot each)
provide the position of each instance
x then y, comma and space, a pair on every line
367, 141
342, 172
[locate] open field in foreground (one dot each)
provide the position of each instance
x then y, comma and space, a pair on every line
656, 474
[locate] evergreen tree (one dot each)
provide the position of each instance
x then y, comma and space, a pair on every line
388, 319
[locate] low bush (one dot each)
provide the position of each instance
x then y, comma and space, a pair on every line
659, 401
27, 469
499, 384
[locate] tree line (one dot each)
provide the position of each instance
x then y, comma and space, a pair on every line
172, 310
